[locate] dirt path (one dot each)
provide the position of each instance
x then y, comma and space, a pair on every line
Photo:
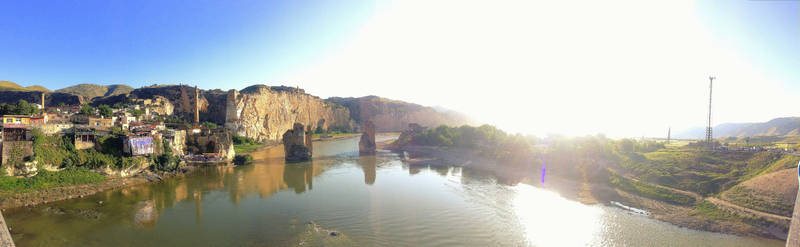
697, 197
720, 202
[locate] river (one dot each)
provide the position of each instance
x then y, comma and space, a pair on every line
367, 200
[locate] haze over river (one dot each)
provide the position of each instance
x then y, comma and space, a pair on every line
369, 200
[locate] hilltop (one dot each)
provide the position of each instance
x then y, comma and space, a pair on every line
785, 126
10, 86
91, 91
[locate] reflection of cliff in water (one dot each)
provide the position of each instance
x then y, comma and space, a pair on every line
368, 163
299, 176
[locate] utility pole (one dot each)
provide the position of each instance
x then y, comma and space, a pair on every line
669, 133
709, 136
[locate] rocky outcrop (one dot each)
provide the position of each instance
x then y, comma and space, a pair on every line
367, 143
395, 115
264, 113
297, 144
140, 164
407, 136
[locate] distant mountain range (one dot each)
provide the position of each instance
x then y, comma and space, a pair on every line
785, 126
91, 91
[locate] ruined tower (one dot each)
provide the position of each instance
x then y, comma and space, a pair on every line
196, 105
231, 113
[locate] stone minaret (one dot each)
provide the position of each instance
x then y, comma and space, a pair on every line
196, 105
42, 100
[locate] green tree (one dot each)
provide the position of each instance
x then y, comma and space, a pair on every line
210, 125
105, 110
136, 113
87, 110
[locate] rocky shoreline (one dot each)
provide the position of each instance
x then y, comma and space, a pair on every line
584, 192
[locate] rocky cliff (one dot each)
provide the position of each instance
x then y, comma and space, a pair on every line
265, 113
395, 115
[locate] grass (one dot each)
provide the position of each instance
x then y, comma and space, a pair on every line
711, 211
47, 179
765, 201
243, 148
704, 172
650, 191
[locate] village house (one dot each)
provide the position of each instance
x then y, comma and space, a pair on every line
101, 123
21, 120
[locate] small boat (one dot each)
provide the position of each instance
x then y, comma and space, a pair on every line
631, 209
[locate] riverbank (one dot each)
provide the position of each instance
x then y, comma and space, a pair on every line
41, 196
706, 214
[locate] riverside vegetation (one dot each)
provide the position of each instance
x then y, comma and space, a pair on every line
684, 176
60, 164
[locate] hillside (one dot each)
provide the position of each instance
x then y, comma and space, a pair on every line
10, 86
91, 91
395, 115
786, 126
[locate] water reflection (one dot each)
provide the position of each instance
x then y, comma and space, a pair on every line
261, 204
299, 177
368, 165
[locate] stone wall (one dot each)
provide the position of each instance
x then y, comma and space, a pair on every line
15, 150
219, 143
55, 129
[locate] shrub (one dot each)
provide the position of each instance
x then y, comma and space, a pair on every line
242, 159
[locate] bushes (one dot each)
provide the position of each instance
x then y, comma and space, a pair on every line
243, 144
238, 140
242, 159
47, 179
165, 161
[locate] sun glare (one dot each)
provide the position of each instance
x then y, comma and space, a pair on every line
551, 220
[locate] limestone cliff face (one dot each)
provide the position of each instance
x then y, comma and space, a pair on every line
395, 115
265, 113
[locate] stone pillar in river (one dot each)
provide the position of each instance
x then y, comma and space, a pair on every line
296, 145
367, 143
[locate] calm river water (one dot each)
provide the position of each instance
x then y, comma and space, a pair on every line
372, 200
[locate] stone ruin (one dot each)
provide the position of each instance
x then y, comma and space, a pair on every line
367, 143
297, 143
407, 135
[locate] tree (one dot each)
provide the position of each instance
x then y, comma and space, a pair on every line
136, 113
210, 125
87, 110
105, 110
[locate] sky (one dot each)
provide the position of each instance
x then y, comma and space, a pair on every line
621, 68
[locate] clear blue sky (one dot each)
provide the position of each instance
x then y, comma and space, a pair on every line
629, 67
216, 44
